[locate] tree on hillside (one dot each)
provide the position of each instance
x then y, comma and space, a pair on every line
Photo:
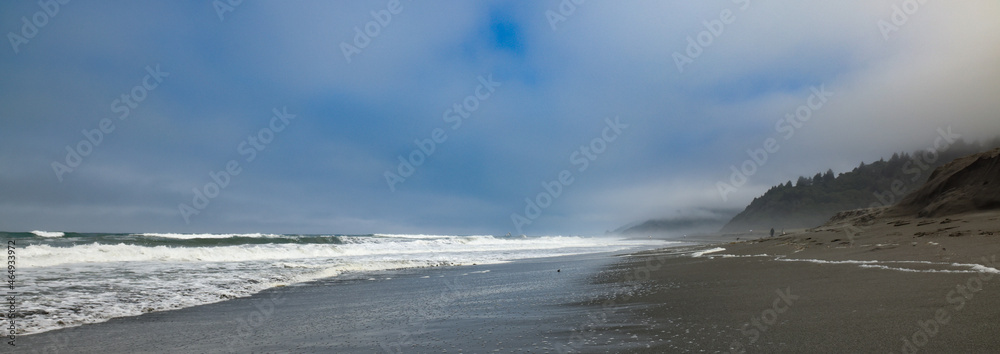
813, 200
828, 176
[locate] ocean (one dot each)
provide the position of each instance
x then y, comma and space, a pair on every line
67, 279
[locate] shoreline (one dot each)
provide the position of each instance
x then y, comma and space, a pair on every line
91, 278
524, 305
896, 285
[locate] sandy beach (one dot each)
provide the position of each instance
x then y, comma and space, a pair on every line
895, 286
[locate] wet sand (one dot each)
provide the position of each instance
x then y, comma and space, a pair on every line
524, 306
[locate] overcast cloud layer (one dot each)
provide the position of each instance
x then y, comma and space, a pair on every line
559, 75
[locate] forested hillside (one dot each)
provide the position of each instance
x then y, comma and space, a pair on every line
811, 201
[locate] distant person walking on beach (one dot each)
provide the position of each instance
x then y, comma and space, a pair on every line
772, 232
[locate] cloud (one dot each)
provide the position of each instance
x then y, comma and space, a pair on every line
325, 172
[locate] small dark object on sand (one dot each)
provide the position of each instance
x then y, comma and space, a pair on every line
558, 270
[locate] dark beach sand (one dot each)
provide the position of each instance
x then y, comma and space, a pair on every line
702, 304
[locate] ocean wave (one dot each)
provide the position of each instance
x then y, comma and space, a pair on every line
160, 287
48, 233
198, 236
420, 236
46, 255
485, 247
165, 273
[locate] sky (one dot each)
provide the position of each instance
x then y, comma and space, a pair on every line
460, 117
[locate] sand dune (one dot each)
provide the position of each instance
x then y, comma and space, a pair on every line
967, 184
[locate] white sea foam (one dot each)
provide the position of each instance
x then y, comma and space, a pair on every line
89, 283
483, 246
196, 236
984, 269
424, 236
740, 255
900, 265
48, 233
702, 253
